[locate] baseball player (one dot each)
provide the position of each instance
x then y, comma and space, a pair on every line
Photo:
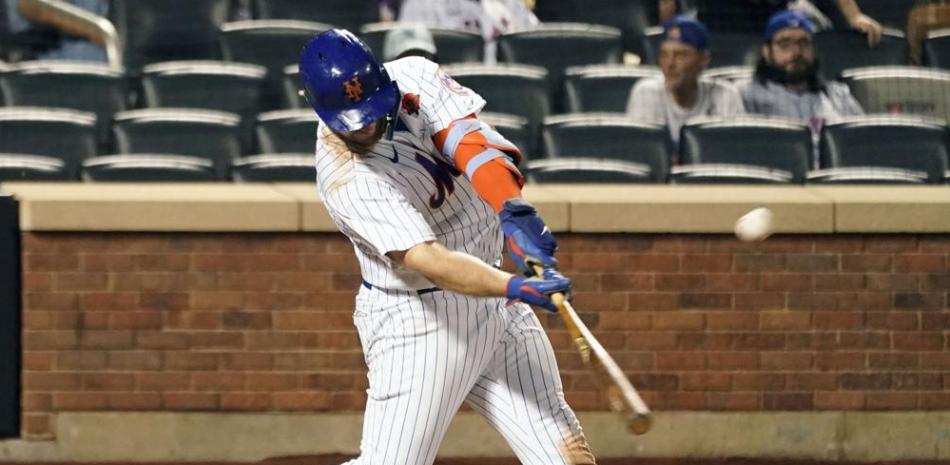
427, 193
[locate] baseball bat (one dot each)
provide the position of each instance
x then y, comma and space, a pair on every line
622, 397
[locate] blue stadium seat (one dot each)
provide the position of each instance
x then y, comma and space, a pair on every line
452, 46
287, 131
937, 49
841, 50
602, 88
276, 167
145, 167
345, 14
587, 170
66, 136
20, 167
901, 89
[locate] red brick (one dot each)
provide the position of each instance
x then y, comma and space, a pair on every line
110, 381
734, 400
693, 300
680, 282
916, 381
919, 263
599, 301
919, 300
190, 401
246, 401
38, 361
164, 301
160, 340
721, 262
892, 361
272, 341
50, 301
934, 243
112, 339
722, 282
732, 321
136, 320
651, 340
867, 263
934, 400
788, 401
351, 281
839, 282
599, 262
162, 262
216, 300
891, 401
799, 341
163, 381
758, 381
840, 243
107, 262
623, 321
135, 360
673, 243
43, 381
811, 381
36, 402
64, 401
764, 341
706, 382
786, 282
935, 360
680, 401
837, 400
302, 244
935, 282
86, 281
680, 361
193, 320
216, 340
812, 263
306, 401
279, 301
50, 262
135, 401
36, 281
37, 426
82, 360
838, 320
215, 381
732, 360
759, 262
784, 320
788, 243
50, 340
626, 282
272, 382
759, 301
895, 321
891, 282
652, 263
176, 360
652, 301
918, 341
678, 320
94, 320
784, 361
330, 262
248, 361
855, 381
890, 243
304, 281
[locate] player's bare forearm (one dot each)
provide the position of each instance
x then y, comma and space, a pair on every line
454, 271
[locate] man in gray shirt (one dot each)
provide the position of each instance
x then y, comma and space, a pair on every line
680, 95
787, 83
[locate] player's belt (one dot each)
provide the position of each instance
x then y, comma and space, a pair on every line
419, 291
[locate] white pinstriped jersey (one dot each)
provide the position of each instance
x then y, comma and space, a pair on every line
403, 192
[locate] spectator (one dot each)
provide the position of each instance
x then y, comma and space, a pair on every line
489, 18
750, 15
925, 16
680, 95
787, 82
409, 40
54, 45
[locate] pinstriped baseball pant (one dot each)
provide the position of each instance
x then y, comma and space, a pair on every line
429, 353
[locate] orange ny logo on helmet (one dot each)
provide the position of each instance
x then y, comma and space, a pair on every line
354, 89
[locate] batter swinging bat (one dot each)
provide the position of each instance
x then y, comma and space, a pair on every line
621, 395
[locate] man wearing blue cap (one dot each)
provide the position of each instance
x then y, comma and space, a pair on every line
787, 83
680, 95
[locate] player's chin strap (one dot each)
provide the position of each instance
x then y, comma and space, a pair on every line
393, 114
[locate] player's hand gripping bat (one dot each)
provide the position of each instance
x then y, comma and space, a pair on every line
621, 395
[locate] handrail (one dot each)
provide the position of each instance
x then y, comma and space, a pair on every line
74, 20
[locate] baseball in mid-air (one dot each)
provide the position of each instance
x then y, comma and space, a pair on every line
756, 225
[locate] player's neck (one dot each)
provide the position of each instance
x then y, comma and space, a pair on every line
685, 95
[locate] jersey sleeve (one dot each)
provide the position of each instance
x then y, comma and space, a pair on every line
442, 99
379, 215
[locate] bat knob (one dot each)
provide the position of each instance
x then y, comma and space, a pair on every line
640, 424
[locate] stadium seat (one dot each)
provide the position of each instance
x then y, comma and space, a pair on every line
275, 167
146, 167
95, 88
206, 134
866, 175
730, 73
512, 89
587, 170
273, 44
66, 136
914, 144
212, 85
164, 30
345, 14
901, 89
890, 13
937, 49
20, 167
602, 88
608, 137
726, 48
292, 90
557, 46
452, 46
841, 50
287, 131
743, 150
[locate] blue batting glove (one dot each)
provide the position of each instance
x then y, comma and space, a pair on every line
537, 290
529, 240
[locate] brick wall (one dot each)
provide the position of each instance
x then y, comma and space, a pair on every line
262, 322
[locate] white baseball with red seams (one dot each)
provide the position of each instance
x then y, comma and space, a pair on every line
430, 350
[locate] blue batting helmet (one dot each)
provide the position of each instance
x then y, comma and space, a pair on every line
344, 83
